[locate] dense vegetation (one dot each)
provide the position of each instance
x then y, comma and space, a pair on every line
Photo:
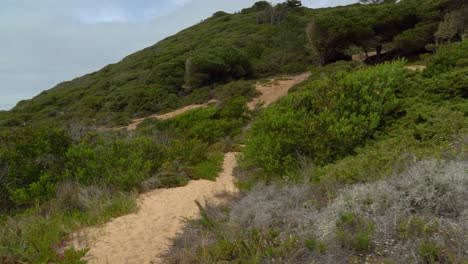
259, 41
362, 164
357, 162
72, 177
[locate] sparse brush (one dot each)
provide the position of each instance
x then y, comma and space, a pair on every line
417, 216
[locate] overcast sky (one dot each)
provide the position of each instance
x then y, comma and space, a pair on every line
45, 42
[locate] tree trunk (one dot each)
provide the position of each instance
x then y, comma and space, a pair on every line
322, 58
378, 50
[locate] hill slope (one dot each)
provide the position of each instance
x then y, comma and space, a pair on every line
222, 48
259, 41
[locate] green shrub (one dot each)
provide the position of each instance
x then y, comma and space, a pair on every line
447, 57
209, 169
355, 232
216, 65
325, 120
113, 161
430, 252
245, 89
31, 163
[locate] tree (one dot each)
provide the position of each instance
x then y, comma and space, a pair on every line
319, 39
293, 3
454, 25
261, 5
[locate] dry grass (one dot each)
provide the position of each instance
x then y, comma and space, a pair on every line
418, 216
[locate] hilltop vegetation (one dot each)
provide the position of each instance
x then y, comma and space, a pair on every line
312, 161
259, 41
179, 70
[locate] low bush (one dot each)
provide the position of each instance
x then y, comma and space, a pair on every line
326, 120
117, 162
37, 234
31, 163
446, 58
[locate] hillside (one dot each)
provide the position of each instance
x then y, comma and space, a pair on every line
256, 42
224, 47
358, 162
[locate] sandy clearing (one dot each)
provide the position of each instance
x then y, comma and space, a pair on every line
362, 56
270, 93
141, 237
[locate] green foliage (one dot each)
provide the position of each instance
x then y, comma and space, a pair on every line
416, 227
245, 89
400, 28
209, 169
326, 120
31, 163
415, 40
36, 235
355, 232
430, 252
253, 248
447, 57
211, 123
216, 64
113, 161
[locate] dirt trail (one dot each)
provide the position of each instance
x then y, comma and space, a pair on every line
270, 93
142, 236
136, 122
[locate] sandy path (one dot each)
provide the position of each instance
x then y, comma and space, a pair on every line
270, 93
141, 237
136, 122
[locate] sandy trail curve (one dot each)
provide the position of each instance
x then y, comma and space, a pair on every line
270, 93
136, 122
141, 237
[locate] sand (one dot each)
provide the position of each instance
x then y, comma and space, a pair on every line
136, 122
416, 67
143, 236
270, 93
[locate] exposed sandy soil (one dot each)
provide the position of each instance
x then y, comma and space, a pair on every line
416, 67
362, 56
142, 236
270, 93
137, 121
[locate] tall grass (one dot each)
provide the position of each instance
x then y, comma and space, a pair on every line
37, 235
